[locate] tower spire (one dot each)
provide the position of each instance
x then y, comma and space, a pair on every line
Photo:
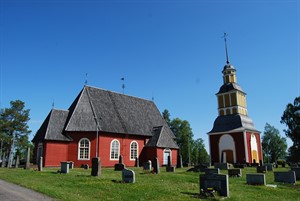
225, 40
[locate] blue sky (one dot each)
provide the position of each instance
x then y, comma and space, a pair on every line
170, 50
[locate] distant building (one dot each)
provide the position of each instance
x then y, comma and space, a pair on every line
125, 125
233, 137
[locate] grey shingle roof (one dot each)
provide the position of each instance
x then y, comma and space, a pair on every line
116, 113
229, 87
233, 123
53, 127
162, 138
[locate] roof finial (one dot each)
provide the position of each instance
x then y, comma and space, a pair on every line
123, 85
53, 104
225, 37
86, 75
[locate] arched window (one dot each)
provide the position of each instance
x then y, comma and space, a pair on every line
84, 149
133, 150
114, 150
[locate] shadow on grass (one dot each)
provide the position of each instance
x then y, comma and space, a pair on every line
198, 196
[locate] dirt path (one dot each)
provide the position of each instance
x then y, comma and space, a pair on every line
12, 192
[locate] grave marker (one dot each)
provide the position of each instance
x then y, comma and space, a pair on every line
156, 166
27, 163
64, 167
269, 166
128, 176
235, 172
147, 165
212, 171
285, 177
222, 166
96, 167
40, 165
218, 182
137, 162
256, 179
297, 172
261, 169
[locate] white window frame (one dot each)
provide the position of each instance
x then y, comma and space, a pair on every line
89, 149
110, 151
137, 150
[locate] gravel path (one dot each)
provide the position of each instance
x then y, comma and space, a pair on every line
13, 192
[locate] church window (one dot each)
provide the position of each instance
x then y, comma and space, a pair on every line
133, 150
84, 149
114, 150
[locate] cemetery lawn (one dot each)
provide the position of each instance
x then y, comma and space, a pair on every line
182, 185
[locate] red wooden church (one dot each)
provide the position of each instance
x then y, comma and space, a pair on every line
105, 124
233, 138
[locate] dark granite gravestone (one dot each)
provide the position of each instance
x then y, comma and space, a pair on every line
222, 166
218, 182
235, 172
128, 176
120, 166
27, 161
40, 165
256, 179
147, 165
212, 171
137, 162
199, 168
297, 172
170, 168
285, 177
179, 161
156, 166
64, 167
261, 169
71, 165
96, 167
17, 161
269, 166
260, 163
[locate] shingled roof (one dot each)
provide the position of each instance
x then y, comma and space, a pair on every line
233, 123
162, 138
113, 112
53, 127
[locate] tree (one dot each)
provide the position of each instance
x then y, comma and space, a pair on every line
274, 146
166, 115
199, 153
184, 138
291, 117
14, 128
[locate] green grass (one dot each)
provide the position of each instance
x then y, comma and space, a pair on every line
182, 185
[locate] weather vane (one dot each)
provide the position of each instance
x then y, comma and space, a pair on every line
86, 75
225, 40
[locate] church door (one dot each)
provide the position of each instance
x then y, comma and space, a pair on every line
228, 156
167, 153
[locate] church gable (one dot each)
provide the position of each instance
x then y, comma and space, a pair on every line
161, 138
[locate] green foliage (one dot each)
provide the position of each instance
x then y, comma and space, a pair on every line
199, 154
291, 117
14, 128
273, 144
166, 115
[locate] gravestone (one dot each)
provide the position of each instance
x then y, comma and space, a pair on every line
137, 162
235, 172
179, 161
170, 168
96, 167
156, 166
128, 176
261, 169
260, 163
212, 171
256, 179
86, 166
147, 165
285, 177
17, 161
120, 166
64, 167
218, 182
71, 165
269, 166
27, 161
40, 165
297, 172
240, 166
222, 166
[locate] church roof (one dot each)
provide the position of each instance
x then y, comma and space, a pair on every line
53, 127
233, 123
113, 112
162, 137
229, 87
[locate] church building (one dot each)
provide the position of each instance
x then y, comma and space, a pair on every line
233, 138
105, 124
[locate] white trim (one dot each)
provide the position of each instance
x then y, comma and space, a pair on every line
209, 147
137, 150
110, 149
78, 149
246, 147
